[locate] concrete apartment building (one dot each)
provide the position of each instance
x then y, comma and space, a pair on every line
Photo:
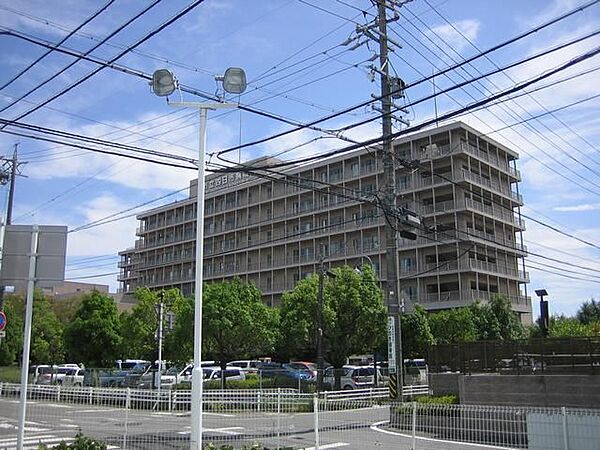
272, 233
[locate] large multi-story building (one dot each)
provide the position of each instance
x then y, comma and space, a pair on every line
272, 232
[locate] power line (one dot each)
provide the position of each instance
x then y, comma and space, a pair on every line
71, 33
509, 77
423, 99
429, 78
140, 41
510, 111
64, 69
97, 150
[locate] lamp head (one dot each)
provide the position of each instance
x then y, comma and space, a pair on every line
541, 292
234, 80
163, 83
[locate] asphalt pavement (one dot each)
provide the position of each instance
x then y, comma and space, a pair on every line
363, 429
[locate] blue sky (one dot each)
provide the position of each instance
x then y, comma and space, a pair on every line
297, 69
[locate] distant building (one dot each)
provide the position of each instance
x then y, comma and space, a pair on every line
69, 289
271, 233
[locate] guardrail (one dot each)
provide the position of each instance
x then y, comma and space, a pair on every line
181, 399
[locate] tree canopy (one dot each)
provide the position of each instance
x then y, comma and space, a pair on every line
416, 334
138, 327
93, 337
589, 312
236, 323
353, 311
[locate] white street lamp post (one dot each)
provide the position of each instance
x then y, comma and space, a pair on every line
164, 84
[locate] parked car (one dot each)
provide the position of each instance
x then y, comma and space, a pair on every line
104, 377
73, 377
248, 365
289, 372
354, 377
134, 373
231, 373
269, 369
129, 364
308, 367
41, 374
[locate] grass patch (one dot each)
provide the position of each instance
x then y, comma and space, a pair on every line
439, 400
10, 374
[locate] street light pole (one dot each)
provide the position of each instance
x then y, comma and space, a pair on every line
196, 426
164, 84
320, 358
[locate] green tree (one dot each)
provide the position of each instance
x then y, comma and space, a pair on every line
562, 326
179, 342
497, 320
65, 308
46, 330
416, 334
353, 313
12, 344
453, 325
46, 333
236, 323
589, 312
93, 336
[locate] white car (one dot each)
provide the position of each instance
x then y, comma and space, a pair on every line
354, 377
248, 365
174, 376
231, 373
73, 377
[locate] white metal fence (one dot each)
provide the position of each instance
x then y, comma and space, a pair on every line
286, 419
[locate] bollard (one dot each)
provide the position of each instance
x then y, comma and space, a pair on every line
316, 412
127, 405
564, 425
278, 416
414, 426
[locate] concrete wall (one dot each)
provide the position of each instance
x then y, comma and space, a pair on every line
444, 383
581, 391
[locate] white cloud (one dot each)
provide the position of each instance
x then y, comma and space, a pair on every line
578, 208
449, 35
62, 162
567, 254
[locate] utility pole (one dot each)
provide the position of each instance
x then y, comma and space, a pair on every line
9, 171
398, 220
11, 192
389, 204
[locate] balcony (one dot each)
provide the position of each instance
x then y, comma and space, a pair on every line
433, 269
445, 150
493, 185
493, 210
456, 299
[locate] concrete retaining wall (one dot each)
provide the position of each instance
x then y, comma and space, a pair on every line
580, 391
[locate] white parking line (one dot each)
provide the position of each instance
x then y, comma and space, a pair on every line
334, 445
376, 425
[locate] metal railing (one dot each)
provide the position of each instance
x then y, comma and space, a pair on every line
286, 419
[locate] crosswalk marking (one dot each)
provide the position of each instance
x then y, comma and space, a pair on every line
33, 442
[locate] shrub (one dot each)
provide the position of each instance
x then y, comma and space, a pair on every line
80, 443
439, 400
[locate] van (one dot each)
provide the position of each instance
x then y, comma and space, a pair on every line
416, 371
42, 374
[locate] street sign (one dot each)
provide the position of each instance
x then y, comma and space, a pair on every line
391, 344
2, 334
2, 320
